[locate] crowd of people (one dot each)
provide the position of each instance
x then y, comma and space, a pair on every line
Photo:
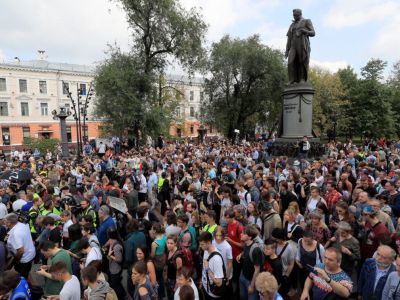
202, 221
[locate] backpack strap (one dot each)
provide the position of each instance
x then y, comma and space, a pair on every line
215, 253
283, 250
319, 252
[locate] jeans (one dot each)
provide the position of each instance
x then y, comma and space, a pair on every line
23, 268
244, 285
160, 280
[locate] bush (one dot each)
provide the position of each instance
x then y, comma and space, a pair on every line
42, 144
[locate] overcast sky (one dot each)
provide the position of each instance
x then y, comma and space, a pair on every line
78, 31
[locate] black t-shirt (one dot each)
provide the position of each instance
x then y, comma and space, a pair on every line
248, 264
55, 235
274, 266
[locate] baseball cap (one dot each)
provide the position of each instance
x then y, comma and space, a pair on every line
368, 210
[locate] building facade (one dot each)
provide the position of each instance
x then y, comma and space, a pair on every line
31, 90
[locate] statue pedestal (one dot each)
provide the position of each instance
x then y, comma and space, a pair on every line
297, 111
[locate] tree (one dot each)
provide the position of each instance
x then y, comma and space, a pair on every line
42, 144
245, 85
127, 83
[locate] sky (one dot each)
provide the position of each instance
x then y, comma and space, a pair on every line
348, 32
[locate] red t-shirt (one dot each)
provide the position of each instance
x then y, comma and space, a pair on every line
374, 235
234, 232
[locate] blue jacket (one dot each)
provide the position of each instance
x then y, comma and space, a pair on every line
134, 240
102, 232
366, 282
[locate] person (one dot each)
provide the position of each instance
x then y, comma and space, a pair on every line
187, 237
318, 228
375, 272
143, 288
98, 289
115, 255
20, 244
54, 254
298, 47
88, 210
174, 263
213, 267
348, 245
304, 148
71, 289
142, 254
391, 291
105, 222
158, 255
271, 220
13, 286
91, 253
225, 249
328, 280
186, 293
267, 287
183, 279
252, 260
273, 262
209, 218
88, 231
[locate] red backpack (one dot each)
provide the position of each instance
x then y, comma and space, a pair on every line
187, 257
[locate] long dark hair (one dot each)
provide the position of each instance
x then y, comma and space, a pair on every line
112, 233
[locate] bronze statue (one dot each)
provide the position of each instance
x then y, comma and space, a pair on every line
298, 47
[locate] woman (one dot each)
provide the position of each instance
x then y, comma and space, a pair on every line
142, 254
309, 253
144, 289
158, 255
253, 217
341, 214
318, 228
299, 219
115, 251
293, 231
312, 202
348, 245
267, 287
266, 196
183, 278
174, 263
13, 286
88, 231
172, 227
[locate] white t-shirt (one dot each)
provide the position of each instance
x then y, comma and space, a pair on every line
65, 227
193, 286
94, 254
226, 251
71, 290
215, 266
20, 236
3, 210
17, 205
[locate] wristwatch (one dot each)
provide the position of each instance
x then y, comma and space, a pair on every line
328, 280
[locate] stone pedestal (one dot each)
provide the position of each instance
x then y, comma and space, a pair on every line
297, 111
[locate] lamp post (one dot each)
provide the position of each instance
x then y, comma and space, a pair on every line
62, 115
79, 108
202, 132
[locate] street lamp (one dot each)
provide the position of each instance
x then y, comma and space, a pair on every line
62, 115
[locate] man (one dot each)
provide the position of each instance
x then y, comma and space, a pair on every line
92, 253
21, 201
285, 197
332, 196
253, 191
375, 233
304, 147
252, 260
209, 218
131, 198
88, 209
143, 187
101, 150
93, 200
273, 262
191, 207
71, 289
105, 222
53, 286
20, 244
381, 215
394, 197
187, 237
98, 289
270, 218
54, 232
328, 280
213, 266
152, 188
298, 47
367, 187
375, 272
234, 232
391, 291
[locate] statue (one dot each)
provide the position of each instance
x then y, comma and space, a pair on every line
298, 47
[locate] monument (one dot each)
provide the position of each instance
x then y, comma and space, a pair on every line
298, 95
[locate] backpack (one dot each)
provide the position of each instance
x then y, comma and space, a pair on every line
218, 290
111, 295
257, 243
136, 182
152, 291
187, 257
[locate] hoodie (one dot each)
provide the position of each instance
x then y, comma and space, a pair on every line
100, 291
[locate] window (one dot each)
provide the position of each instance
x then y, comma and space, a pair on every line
24, 109
178, 111
192, 111
191, 96
42, 87
26, 133
82, 86
69, 134
201, 96
23, 86
6, 136
210, 129
3, 109
44, 109
3, 85
85, 130
67, 107
65, 86
191, 129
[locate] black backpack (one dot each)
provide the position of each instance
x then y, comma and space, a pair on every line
218, 290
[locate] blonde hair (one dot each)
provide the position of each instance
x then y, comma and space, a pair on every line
295, 206
266, 284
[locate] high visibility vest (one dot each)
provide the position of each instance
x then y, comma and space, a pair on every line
33, 214
86, 212
160, 183
209, 228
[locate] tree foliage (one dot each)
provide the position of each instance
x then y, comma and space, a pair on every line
41, 144
127, 84
245, 85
